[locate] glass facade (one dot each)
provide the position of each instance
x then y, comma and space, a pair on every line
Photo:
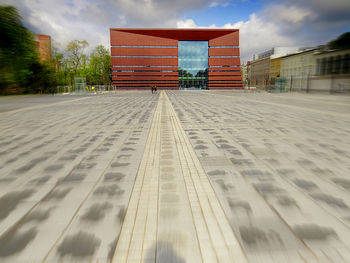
193, 64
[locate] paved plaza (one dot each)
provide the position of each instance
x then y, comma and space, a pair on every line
175, 177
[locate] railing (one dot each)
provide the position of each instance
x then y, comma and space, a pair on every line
86, 89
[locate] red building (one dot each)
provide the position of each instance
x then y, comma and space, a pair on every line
43, 43
175, 58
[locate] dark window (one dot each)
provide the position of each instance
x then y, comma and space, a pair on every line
323, 66
337, 65
346, 64
318, 67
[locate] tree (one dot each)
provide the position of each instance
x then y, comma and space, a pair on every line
17, 51
342, 42
100, 65
43, 77
75, 51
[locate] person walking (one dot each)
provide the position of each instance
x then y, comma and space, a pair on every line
155, 89
152, 89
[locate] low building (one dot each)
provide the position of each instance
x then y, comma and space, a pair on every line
259, 73
332, 71
297, 69
266, 65
317, 69
332, 62
276, 52
275, 68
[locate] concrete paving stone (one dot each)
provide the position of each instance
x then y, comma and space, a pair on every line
178, 176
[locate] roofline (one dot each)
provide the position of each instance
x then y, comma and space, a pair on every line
332, 50
252, 61
175, 29
301, 52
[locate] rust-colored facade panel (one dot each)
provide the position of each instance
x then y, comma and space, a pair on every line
224, 82
166, 84
228, 87
225, 74
144, 61
145, 87
223, 86
223, 52
225, 78
121, 74
142, 58
224, 61
231, 39
236, 68
139, 51
43, 43
150, 68
120, 37
144, 78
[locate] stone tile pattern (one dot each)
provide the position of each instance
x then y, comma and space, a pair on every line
67, 171
279, 164
183, 177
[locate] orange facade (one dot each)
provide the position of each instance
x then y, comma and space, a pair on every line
142, 58
44, 46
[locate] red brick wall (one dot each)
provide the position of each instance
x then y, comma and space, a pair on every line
44, 46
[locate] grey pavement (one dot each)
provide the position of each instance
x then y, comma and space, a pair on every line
178, 176
12, 103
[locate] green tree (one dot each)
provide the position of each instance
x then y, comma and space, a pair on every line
75, 51
17, 51
43, 78
100, 65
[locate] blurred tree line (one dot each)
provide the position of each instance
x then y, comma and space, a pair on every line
22, 71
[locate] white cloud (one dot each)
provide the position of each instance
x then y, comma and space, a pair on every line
280, 23
188, 23
291, 23
255, 35
289, 15
90, 20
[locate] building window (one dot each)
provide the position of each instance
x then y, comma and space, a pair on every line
193, 64
318, 66
323, 66
329, 69
337, 64
346, 64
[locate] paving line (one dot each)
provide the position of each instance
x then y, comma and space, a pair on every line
211, 220
140, 220
138, 236
284, 105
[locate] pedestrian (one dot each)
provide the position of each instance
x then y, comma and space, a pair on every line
152, 89
155, 89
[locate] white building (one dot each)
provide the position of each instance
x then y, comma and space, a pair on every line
297, 68
276, 52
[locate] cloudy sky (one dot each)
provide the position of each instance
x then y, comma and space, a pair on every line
263, 24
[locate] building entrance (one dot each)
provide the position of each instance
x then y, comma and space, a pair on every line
193, 64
